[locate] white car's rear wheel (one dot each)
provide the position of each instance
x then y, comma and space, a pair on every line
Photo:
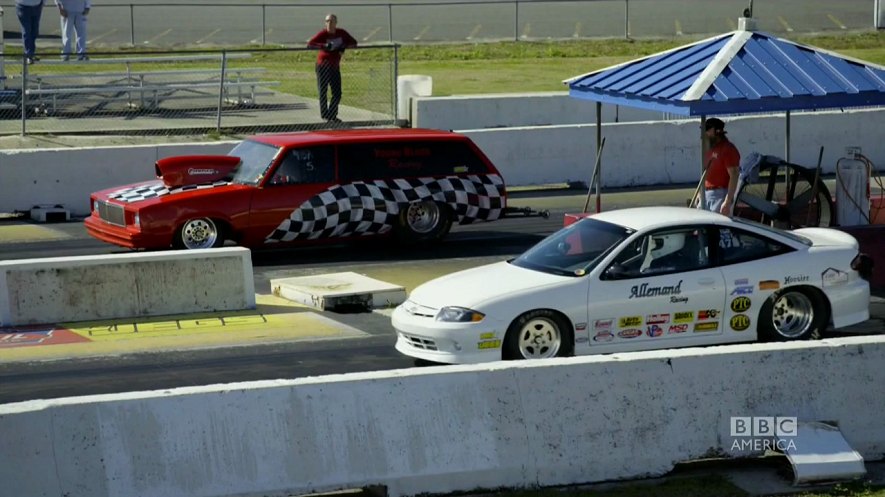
793, 314
537, 334
200, 233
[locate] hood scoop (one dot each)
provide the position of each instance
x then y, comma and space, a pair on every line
195, 169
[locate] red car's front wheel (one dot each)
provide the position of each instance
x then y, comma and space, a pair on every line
200, 233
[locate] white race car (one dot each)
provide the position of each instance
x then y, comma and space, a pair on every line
640, 279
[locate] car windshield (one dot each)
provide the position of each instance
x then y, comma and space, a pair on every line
792, 236
255, 159
574, 250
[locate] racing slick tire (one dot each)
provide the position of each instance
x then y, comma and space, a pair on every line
793, 314
199, 233
424, 221
538, 334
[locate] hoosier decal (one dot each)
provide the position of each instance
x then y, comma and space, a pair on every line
789, 280
644, 291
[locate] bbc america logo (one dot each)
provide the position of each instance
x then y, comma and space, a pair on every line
762, 433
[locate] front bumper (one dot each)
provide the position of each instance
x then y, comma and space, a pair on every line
422, 337
127, 236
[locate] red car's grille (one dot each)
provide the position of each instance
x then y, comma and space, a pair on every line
111, 213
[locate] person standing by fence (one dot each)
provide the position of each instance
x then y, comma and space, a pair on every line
29, 12
332, 41
73, 18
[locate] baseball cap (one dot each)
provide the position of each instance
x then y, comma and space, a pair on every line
714, 123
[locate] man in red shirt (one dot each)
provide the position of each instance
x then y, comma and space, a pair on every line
331, 41
723, 160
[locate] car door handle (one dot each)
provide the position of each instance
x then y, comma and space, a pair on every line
707, 281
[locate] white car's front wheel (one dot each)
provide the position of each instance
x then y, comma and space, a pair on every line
537, 334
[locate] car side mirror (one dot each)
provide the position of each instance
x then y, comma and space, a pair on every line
615, 272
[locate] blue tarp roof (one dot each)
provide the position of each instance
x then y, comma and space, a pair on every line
736, 73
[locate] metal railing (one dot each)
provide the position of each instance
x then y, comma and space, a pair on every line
234, 24
260, 90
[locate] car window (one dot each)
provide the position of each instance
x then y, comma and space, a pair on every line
387, 160
255, 158
574, 250
736, 245
789, 234
305, 166
662, 252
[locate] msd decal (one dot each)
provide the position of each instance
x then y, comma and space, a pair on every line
677, 328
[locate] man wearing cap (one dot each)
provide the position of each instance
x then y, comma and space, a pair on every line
723, 161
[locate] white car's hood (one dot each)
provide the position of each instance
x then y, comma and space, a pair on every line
472, 287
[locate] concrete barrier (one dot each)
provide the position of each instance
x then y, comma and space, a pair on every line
441, 429
88, 288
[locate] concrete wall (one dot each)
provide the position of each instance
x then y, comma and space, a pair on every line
660, 153
504, 110
67, 176
439, 430
87, 288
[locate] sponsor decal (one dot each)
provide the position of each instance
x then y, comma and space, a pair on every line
790, 280
710, 326
644, 291
25, 336
683, 317
603, 324
739, 322
708, 314
833, 277
489, 344
678, 300
582, 339
201, 172
741, 282
654, 330
657, 319
630, 321
580, 326
631, 333
487, 336
742, 290
603, 336
769, 285
677, 328
741, 304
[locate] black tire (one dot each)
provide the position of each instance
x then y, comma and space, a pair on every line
199, 233
538, 334
793, 314
768, 199
424, 221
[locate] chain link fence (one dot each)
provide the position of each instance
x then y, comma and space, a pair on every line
193, 92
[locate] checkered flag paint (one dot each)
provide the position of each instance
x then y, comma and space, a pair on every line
157, 189
372, 208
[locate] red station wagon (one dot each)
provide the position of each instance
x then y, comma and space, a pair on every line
305, 187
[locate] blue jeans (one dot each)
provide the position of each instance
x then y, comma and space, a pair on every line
714, 198
29, 17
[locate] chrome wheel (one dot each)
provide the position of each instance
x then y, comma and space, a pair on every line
423, 217
792, 315
199, 234
539, 338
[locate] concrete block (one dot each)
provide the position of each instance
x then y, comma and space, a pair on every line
336, 290
86, 288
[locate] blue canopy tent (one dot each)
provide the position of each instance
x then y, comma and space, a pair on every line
735, 73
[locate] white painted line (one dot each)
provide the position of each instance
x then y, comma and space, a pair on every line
678, 27
474, 31
785, 24
210, 35
422, 33
155, 38
526, 30
372, 33
577, 33
258, 40
103, 35
837, 22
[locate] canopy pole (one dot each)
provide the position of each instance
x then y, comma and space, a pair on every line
702, 200
598, 151
787, 144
